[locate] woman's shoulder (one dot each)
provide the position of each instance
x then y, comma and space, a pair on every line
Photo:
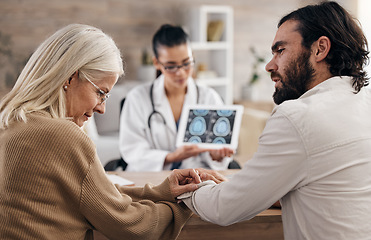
139, 95
58, 140
140, 90
42, 125
209, 95
206, 89
47, 121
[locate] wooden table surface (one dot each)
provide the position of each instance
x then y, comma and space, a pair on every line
264, 226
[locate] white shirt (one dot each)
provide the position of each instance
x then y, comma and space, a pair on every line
315, 155
144, 148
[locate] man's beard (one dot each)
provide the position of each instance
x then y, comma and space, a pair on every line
299, 75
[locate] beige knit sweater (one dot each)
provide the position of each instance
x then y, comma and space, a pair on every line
53, 186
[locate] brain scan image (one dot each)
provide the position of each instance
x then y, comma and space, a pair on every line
197, 126
219, 140
200, 112
221, 127
224, 113
195, 139
209, 126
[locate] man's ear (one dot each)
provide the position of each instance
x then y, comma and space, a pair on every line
321, 48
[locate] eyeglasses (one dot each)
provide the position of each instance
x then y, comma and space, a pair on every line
101, 95
174, 68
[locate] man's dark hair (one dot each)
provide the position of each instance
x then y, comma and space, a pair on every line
169, 36
349, 50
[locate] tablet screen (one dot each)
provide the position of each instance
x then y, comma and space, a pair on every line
210, 126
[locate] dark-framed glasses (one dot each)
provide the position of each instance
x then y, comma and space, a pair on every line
172, 68
101, 95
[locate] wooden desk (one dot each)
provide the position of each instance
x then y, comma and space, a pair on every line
266, 225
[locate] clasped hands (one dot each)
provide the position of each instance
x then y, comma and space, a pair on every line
186, 180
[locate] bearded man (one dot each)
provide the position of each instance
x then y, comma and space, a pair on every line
315, 151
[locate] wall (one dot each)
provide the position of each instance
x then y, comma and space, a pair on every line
26, 23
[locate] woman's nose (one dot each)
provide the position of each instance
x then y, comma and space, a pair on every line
180, 71
100, 108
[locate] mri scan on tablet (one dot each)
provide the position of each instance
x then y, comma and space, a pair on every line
210, 126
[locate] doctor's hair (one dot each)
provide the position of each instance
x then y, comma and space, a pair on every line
348, 54
168, 36
39, 87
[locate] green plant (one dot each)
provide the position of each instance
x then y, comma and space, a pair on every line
146, 57
255, 76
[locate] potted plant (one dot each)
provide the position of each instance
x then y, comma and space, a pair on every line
257, 88
146, 71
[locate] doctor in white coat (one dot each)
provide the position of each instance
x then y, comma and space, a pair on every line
151, 112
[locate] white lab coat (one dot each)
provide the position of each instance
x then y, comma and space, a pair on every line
145, 149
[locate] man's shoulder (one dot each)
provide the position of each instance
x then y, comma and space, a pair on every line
321, 98
291, 107
308, 109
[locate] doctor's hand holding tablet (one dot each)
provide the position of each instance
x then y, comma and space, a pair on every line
187, 151
208, 128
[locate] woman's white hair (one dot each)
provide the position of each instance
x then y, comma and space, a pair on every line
39, 87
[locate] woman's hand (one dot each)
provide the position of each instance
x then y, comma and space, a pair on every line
219, 154
184, 152
183, 180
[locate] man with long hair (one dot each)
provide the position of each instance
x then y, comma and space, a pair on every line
314, 153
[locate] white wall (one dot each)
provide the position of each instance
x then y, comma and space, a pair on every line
364, 16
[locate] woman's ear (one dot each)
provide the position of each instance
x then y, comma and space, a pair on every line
71, 80
156, 63
321, 48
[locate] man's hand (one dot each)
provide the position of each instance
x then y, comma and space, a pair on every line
207, 174
186, 180
183, 180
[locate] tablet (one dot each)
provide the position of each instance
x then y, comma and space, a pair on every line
210, 126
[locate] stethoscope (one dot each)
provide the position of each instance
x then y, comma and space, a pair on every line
154, 111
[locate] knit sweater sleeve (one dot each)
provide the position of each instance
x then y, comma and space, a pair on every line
128, 213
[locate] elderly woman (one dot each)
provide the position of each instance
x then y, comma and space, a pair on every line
52, 184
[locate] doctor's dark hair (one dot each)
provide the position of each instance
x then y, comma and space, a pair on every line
168, 36
349, 49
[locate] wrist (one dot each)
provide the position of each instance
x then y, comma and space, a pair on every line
169, 158
216, 157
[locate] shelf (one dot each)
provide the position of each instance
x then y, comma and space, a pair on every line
210, 45
215, 56
219, 81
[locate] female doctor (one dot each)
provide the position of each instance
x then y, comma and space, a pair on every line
152, 111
